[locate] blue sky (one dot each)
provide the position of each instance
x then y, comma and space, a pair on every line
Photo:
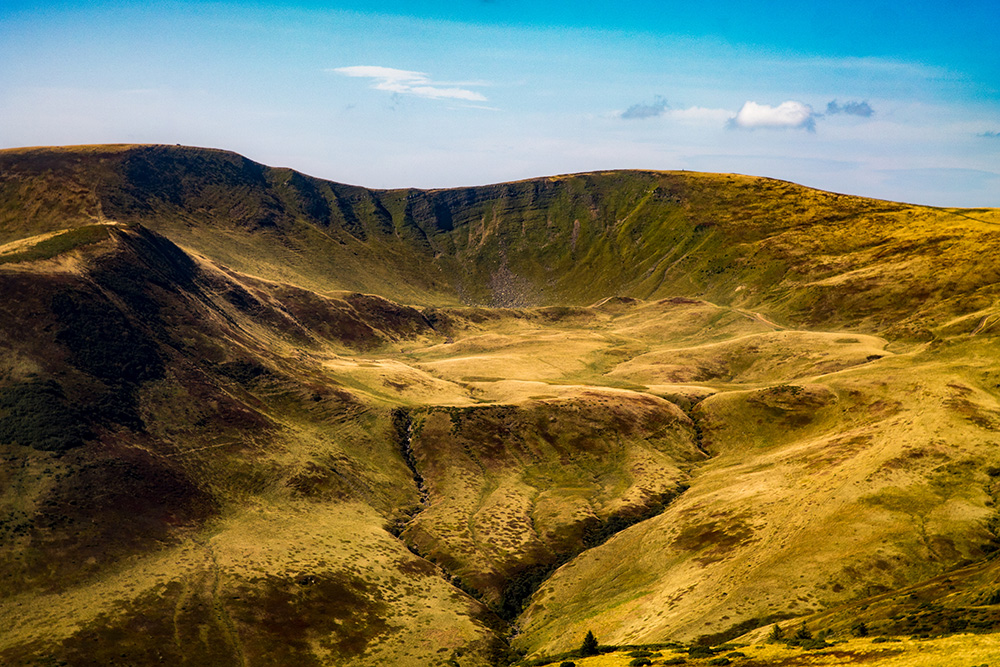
886, 99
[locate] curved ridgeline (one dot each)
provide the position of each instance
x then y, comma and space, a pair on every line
798, 254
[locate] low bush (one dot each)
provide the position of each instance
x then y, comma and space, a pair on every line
702, 651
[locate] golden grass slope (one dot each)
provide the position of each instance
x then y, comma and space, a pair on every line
514, 490
862, 481
239, 514
306, 584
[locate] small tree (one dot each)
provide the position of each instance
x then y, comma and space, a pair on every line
803, 632
589, 646
776, 634
859, 629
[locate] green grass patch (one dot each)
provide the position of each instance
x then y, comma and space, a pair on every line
58, 244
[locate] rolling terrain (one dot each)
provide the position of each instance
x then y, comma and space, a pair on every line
251, 417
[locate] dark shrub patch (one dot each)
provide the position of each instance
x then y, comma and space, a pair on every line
520, 588
991, 598
160, 627
111, 505
279, 619
742, 628
243, 372
35, 414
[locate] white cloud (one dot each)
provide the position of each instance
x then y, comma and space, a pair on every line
407, 82
376, 72
701, 114
787, 115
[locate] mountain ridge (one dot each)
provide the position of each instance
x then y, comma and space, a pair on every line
553, 240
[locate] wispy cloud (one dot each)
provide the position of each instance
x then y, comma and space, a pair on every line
642, 110
989, 135
406, 82
850, 108
786, 116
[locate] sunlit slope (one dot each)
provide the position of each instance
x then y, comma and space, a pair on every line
959, 650
800, 255
858, 482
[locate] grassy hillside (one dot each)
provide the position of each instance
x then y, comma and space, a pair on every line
251, 417
177, 463
853, 483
